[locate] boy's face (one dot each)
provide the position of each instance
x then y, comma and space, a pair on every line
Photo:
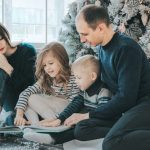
83, 78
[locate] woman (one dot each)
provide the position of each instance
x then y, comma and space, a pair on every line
16, 69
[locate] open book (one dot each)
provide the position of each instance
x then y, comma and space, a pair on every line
39, 129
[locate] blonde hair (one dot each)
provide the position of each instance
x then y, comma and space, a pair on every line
58, 51
87, 63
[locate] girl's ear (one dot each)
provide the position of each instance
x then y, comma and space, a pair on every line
93, 76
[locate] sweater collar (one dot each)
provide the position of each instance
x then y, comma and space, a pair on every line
95, 87
113, 38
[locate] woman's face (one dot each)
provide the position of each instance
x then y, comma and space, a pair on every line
3, 46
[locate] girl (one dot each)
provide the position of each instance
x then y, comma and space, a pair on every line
15, 62
54, 88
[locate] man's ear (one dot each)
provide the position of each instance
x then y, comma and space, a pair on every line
101, 26
93, 76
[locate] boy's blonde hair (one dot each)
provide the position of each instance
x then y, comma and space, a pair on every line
87, 63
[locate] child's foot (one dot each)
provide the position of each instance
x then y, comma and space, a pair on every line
42, 138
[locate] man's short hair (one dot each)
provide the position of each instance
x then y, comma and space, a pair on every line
93, 15
87, 62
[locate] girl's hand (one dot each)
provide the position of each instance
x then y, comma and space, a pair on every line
20, 121
50, 123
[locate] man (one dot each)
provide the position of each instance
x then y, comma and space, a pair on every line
126, 72
124, 119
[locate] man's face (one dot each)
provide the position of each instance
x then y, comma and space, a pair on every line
88, 35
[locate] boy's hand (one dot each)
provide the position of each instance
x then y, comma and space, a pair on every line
20, 121
75, 118
50, 123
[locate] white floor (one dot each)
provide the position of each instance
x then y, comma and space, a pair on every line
83, 145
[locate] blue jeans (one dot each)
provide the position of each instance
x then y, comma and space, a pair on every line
8, 97
3, 77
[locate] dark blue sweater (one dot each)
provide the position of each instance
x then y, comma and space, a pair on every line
126, 71
23, 62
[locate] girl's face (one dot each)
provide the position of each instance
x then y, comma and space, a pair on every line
51, 65
3, 46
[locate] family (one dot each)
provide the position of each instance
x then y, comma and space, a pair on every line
106, 97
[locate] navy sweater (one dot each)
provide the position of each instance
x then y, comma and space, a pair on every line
23, 62
126, 71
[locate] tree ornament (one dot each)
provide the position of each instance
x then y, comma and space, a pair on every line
86, 2
122, 28
141, 1
144, 18
97, 3
148, 46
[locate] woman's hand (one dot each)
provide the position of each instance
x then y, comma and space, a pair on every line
5, 65
50, 123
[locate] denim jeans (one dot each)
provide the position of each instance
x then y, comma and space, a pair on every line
3, 77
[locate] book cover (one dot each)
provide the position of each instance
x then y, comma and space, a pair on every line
18, 129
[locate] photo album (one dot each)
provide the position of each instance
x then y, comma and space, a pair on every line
39, 129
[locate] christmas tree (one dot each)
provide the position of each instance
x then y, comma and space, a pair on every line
132, 17
68, 34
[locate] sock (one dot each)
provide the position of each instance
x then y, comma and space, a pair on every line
4, 114
10, 119
42, 138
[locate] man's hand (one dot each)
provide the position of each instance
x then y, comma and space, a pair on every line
75, 118
50, 122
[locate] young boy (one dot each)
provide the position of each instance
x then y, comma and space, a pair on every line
93, 95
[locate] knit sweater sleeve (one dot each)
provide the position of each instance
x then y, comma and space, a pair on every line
104, 96
24, 96
75, 106
128, 65
73, 89
24, 68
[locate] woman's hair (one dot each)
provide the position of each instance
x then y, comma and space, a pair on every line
4, 34
58, 51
